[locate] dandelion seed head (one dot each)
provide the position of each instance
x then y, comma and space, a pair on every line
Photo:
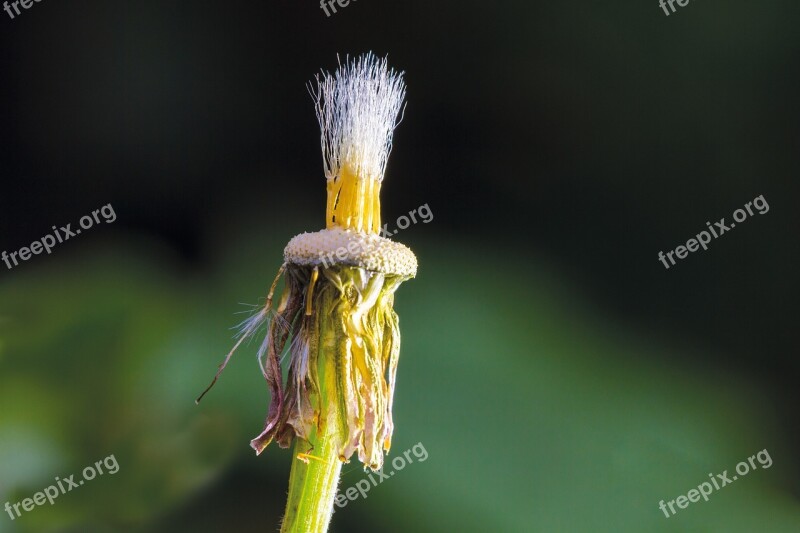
357, 109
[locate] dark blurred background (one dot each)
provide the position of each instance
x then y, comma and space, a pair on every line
559, 376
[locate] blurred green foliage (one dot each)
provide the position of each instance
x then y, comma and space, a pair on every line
538, 411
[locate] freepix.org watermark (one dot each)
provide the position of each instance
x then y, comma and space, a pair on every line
671, 4
325, 5
48, 242
61, 487
354, 247
360, 489
705, 489
717, 230
26, 4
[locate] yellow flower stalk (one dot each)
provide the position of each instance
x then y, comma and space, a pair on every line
335, 317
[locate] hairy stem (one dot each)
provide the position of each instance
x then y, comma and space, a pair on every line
316, 465
312, 487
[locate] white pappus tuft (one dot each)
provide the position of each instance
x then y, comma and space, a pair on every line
357, 109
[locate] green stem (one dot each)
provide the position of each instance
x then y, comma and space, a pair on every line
312, 487
315, 470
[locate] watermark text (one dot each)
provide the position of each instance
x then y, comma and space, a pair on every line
48, 242
705, 488
717, 230
360, 489
61, 487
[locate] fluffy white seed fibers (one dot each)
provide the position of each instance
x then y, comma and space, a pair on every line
357, 109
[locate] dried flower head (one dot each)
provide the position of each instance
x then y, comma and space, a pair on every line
335, 317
